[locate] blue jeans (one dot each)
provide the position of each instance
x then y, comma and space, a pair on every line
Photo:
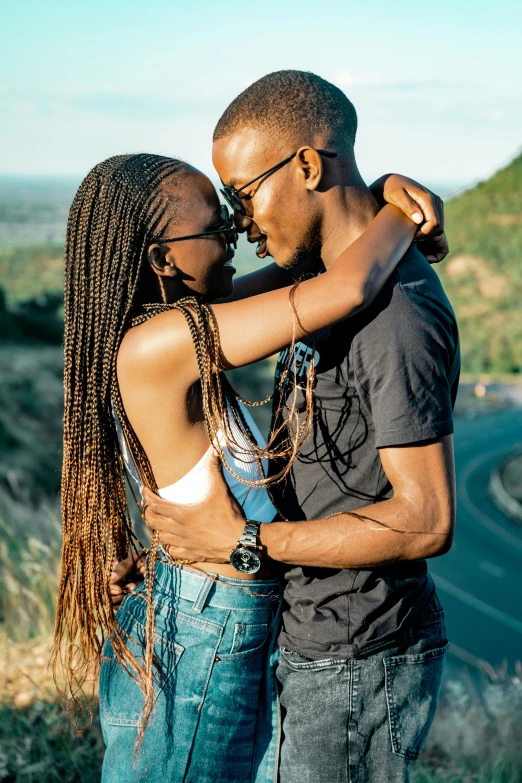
216, 718
362, 720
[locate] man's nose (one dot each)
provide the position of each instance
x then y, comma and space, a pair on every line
243, 222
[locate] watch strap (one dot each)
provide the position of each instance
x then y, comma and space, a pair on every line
250, 534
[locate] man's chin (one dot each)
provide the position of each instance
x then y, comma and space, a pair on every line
302, 263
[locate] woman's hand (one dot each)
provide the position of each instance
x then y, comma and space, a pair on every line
125, 576
420, 204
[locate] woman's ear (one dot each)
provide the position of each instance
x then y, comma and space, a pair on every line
161, 261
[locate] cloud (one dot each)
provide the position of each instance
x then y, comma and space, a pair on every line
424, 101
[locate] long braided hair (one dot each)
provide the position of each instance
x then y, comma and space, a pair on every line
119, 206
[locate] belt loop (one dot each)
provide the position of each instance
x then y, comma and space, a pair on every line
204, 590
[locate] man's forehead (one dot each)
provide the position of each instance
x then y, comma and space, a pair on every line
238, 155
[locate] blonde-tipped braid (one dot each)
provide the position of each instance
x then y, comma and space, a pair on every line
116, 210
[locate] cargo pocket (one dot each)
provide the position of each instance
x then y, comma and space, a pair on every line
412, 691
121, 698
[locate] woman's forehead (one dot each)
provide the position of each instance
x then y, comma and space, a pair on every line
194, 189
195, 202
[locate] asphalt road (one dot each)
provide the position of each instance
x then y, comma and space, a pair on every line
480, 580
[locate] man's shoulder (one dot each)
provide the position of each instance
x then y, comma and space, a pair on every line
413, 294
410, 331
414, 275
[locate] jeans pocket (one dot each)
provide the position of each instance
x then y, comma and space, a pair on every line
121, 698
248, 636
412, 691
298, 662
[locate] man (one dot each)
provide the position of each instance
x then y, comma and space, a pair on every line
363, 637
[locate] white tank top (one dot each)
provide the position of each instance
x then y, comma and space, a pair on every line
194, 486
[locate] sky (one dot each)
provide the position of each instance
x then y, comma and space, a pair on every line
437, 86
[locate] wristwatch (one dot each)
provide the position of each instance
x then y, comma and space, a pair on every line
246, 556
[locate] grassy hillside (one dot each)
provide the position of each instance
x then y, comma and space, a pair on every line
483, 274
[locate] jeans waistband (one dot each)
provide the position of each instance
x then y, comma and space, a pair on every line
213, 589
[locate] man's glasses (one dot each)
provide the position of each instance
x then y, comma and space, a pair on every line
228, 230
231, 195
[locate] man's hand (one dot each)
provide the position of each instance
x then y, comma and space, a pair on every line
422, 206
203, 532
125, 576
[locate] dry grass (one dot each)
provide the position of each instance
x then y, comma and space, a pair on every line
38, 743
476, 735
473, 740
30, 541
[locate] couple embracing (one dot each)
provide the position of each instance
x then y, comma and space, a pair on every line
282, 624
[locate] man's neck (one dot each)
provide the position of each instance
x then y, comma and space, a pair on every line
350, 211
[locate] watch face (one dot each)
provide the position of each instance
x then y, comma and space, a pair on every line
245, 560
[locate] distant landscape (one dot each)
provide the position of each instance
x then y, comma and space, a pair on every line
483, 274
483, 277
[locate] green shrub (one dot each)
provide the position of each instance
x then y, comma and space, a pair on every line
31, 405
29, 270
37, 320
38, 745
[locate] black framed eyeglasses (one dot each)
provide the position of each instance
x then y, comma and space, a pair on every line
228, 230
231, 194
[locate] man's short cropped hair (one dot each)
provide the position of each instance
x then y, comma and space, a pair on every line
293, 105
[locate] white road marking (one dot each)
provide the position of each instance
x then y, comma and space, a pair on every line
491, 568
476, 603
492, 526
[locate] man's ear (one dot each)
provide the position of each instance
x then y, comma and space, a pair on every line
310, 166
161, 260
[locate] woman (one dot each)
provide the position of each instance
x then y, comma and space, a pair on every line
186, 686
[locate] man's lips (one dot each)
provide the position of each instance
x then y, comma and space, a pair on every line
261, 250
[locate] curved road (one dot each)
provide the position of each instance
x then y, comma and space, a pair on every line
480, 580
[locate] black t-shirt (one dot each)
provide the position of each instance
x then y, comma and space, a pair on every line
386, 377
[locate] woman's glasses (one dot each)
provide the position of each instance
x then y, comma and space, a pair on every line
231, 195
228, 230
